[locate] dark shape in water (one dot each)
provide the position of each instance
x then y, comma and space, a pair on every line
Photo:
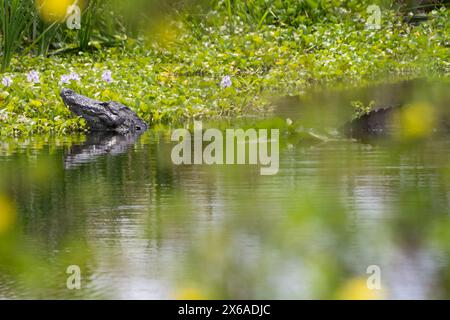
103, 116
98, 144
376, 123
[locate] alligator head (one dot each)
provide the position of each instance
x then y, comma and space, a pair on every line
103, 116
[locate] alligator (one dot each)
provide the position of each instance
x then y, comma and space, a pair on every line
104, 116
379, 124
376, 123
116, 118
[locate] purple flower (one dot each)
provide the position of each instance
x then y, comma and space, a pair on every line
67, 78
33, 77
226, 82
74, 76
107, 76
64, 79
7, 81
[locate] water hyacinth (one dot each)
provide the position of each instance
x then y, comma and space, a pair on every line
107, 76
64, 79
7, 81
74, 76
226, 82
67, 78
33, 77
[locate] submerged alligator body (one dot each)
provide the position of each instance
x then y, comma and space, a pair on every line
104, 116
376, 123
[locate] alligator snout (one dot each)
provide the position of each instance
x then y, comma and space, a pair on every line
67, 92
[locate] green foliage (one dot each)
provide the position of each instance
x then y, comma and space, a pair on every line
177, 76
22, 31
87, 22
360, 109
15, 17
292, 12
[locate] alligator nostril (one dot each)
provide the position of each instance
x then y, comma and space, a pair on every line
66, 92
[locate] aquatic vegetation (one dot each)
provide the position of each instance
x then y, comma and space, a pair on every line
6, 81
107, 76
33, 77
177, 80
226, 82
67, 78
361, 109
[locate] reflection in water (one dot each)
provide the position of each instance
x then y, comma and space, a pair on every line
140, 227
98, 144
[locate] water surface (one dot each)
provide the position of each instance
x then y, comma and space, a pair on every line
140, 227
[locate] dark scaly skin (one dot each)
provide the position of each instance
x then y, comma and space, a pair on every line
379, 122
104, 116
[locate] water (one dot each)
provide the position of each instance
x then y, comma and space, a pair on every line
140, 227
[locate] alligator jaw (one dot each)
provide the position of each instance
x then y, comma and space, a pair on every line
103, 116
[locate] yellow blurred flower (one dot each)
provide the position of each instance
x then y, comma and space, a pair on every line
53, 10
189, 294
165, 33
7, 214
417, 120
356, 289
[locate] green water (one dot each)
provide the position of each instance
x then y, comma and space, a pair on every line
140, 227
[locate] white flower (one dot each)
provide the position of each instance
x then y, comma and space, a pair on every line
107, 76
33, 77
7, 81
226, 82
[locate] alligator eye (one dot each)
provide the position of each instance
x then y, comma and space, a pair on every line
138, 128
